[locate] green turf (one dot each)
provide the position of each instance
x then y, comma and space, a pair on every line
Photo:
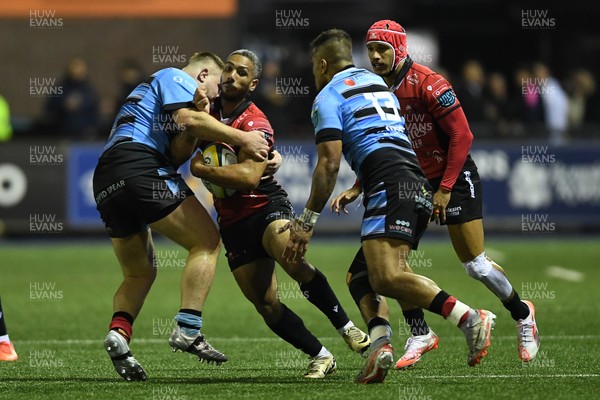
59, 292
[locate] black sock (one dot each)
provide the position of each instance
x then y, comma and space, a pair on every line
319, 293
191, 311
2, 324
375, 321
438, 302
291, 329
416, 320
518, 309
379, 330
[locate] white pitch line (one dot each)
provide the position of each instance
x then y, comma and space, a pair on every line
274, 339
140, 340
570, 275
506, 376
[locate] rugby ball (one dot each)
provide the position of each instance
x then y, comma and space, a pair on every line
219, 154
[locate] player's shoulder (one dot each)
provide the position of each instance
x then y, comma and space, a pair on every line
254, 118
356, 78
421, 70
326, 96
252, 112
333, 93
426, 77
168, 73
175, 75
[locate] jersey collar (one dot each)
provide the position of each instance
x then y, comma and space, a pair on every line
347, 67
236, 113
402, 74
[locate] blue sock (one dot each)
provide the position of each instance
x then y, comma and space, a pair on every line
190, 321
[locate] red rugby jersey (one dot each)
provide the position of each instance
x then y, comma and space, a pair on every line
435, 122
247, 117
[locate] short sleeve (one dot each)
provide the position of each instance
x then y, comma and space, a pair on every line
258, 122
327, 118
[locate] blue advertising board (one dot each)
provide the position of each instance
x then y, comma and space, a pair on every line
81, 206
556, 184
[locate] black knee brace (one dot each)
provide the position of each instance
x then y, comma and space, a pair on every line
358, 278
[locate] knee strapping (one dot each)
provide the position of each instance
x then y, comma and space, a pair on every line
358, 278
359, 286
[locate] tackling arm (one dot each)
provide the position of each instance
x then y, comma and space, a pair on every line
325, 174
203, 126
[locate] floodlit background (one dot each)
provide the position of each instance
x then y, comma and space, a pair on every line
527, 76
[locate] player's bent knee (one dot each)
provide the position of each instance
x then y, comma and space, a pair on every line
379, 282
206, 249
479, 267
300, 272
269, 311
147, 274
383, 282
205, 243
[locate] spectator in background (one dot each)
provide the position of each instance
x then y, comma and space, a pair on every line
581, 86
268, 96
471, 90
130, 75
528, 102
74, 114
5, 126
555, 103
497, 105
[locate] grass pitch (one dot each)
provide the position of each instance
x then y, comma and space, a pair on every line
57, 301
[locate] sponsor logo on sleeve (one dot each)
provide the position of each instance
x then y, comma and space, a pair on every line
447, 98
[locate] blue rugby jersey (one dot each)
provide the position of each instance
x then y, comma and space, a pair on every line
357, 107
145, 116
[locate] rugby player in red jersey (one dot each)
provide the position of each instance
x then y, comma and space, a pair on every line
441, 138
249, 220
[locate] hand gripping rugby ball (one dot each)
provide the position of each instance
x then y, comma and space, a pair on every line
219, 154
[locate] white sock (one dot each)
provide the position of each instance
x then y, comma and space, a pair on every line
350, 324
379, 332
4, 338
323, 353
457, 312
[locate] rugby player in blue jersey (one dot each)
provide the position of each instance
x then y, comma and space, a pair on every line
441, 138
137, 188
355, 114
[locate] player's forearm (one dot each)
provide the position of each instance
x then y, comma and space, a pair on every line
236, 176
461, 138
205, 127
323, 183
182, 147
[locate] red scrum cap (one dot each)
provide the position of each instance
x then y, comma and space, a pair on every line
391, 33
